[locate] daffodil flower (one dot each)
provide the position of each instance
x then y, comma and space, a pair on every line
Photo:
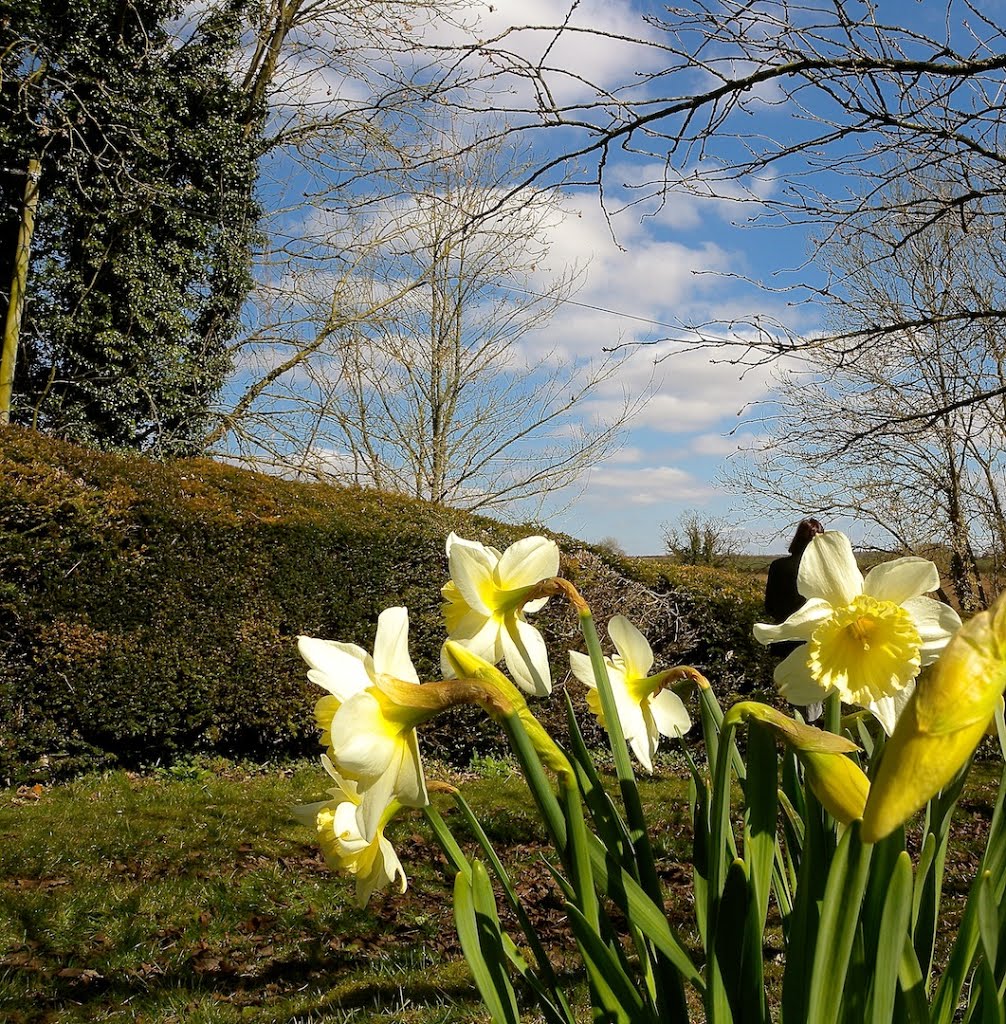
486, 599
371, 737
864, 639
373, 862
645, 709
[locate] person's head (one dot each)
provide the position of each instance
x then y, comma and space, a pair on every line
805, 533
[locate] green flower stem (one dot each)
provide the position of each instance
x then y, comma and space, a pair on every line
636, 820
833, 713
551, 1000
534, 942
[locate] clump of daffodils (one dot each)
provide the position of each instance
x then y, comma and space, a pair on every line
374, 702
865, 639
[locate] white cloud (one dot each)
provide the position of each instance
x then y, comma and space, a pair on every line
721, 444
649, 485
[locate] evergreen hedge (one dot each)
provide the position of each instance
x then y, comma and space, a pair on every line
148, 610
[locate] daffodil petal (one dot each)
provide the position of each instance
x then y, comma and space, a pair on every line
374, 802
463, 622
535, 606
471, 567
796, 684
485, 642
582, 668
936, 623
345, 829
633, 722
526, 656
363, 744
342, 669
887, 710
799, 626
901, 579
307, 814
410, 783
527, 562
828, 570
391, 645
670, 714
383, 869
646, 746
347, 787
636, 654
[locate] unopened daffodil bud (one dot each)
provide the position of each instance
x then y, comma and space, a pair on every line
942, 723
836, 780
802, 738
499, 698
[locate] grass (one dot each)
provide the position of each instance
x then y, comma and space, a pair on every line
191, 896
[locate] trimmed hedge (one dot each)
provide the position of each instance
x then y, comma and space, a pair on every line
149, 609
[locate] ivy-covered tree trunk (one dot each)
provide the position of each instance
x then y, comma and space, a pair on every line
144, 235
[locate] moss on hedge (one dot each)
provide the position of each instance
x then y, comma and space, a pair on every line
149, 609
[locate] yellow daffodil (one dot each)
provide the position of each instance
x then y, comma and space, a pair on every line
373, 862
645, 708
942, 724
486, 599
371, 737
864, 639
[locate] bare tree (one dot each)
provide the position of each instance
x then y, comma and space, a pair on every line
699, 539
802, 113
843, 432
427, 373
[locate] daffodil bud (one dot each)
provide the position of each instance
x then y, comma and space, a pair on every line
836, 780
802, 738
941, 724
499, 698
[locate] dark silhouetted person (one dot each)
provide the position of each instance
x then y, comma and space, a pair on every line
782, 597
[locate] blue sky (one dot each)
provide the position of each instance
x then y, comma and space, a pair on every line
649, 269
683, 261
687, 260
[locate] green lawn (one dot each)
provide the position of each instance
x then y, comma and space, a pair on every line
194, 897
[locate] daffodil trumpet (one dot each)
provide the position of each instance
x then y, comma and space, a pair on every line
942, 724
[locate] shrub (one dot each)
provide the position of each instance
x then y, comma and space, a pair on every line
148, 610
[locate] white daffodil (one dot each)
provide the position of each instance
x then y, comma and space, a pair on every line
864, 639
645, 709
485, 602
371, 739
373, 863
